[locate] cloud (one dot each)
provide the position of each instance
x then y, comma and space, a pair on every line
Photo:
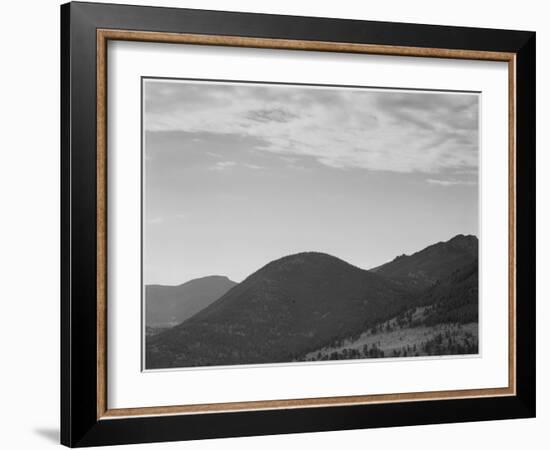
226, 165
394, 131
223, 165
271, 115
452, 182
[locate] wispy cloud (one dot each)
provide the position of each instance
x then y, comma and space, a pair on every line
451, 182
226, 165
339, 128
252, 166
223, 165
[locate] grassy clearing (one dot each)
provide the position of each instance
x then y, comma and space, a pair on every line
390, 339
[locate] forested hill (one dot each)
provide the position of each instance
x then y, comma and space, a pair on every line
306, 301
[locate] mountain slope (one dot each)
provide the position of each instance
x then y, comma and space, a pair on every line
453, 299
443, 320
309, 301
436, 262
171, 305
291, 305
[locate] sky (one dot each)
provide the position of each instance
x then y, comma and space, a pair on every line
239, 174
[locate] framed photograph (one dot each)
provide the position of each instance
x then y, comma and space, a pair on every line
277, 224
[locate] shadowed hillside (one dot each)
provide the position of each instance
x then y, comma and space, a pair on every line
443, 321
422, 269
455, 298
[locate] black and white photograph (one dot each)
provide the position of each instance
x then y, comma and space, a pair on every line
289, 223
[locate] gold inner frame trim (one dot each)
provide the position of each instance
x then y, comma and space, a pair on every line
103, 36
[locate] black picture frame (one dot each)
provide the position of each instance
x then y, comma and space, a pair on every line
80, 425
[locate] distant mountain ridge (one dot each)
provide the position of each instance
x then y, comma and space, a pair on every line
170, 305
305, 301
422, 269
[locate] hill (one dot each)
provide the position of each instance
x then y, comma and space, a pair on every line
289, 306
453, 299
442, 321
436, 262
170, 305
296, 305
